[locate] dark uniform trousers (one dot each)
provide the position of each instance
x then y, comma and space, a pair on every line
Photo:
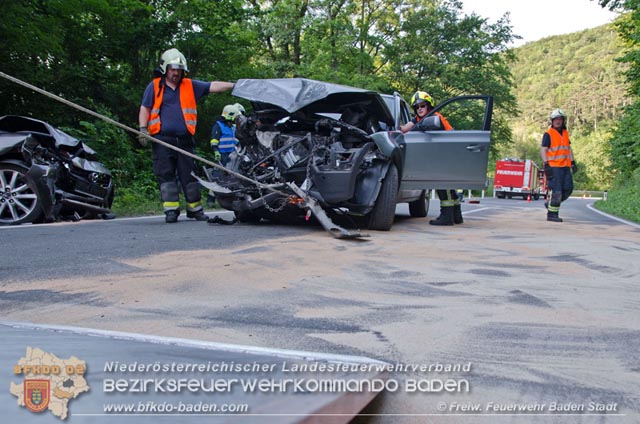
172, 168
561, 187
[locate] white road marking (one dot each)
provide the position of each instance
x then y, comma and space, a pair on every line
190, 343
615, 218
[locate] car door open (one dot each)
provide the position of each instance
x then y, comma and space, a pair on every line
451, 159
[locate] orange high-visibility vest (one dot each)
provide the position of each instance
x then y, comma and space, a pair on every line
187, 103
445, 123
447, 126
559, 151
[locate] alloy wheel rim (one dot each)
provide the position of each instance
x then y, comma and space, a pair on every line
17, 200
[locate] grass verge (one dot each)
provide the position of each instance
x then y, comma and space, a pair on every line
623, 200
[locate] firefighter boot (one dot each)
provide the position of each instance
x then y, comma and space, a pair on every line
553, 216
198, 215
457, 215
171, 216
445, 218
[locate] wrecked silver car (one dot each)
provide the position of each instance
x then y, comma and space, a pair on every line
47, 175
341, 147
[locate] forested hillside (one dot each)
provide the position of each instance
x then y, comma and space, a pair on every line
579, 73
101, 54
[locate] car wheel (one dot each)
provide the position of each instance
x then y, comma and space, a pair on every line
18, 202
384, 211
420, 207
536, 196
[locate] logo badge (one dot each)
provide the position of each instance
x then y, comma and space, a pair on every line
36, 394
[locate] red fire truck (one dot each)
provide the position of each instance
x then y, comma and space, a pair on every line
520, 178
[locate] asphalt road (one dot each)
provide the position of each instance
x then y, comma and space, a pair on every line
526, 311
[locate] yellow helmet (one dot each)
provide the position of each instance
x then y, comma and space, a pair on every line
173, 59
421, 96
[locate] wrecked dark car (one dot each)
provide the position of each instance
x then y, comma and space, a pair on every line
341, 147
47, 175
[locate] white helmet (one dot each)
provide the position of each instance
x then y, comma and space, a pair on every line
230, 112
173, 59
558, 113
240, 109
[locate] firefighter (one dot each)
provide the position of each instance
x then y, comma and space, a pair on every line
450, 209
422, 103
223, 139
223, 134
169, 112
559, 163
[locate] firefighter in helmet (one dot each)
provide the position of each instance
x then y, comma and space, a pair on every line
169, 112
223, 139
422, 103
223, 134
559, 164
450, 209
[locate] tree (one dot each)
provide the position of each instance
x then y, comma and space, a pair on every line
625, 143
438, 50
101, 54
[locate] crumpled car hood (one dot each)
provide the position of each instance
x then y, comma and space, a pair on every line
309, 96
16, 123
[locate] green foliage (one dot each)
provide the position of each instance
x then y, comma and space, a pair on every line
624, 198
592, 153
100, 54
625, 145
115, 148
624, 195
447, 54
578, 72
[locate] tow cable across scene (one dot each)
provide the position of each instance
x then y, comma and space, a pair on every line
303, 199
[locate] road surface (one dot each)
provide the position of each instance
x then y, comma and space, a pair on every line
530, 314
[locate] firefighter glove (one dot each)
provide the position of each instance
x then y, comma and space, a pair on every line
216, 155
574, 167
142, 140
548, 171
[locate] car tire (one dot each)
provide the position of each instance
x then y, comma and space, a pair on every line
536, 196
420, 208
18, 201
384, 211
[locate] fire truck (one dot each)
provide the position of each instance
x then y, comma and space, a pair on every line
519, 178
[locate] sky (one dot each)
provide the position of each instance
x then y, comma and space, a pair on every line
534, 19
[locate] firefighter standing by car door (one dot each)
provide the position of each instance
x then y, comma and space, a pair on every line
223, 138
558, 161
169, 113
450, 209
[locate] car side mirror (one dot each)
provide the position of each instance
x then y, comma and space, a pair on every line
430, 123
